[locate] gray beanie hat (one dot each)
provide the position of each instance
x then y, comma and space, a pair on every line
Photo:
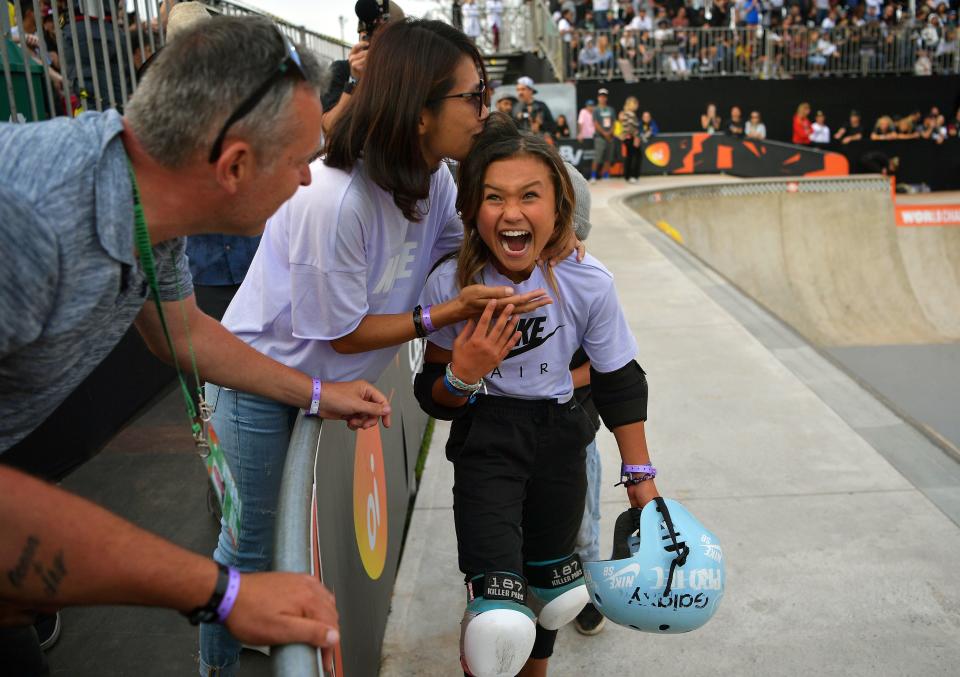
581, 193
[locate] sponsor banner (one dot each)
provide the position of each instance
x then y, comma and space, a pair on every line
722, 154
928, 215
362, 493
714, 154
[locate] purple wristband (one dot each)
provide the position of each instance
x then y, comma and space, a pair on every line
427, 322
229, 597
315, 401
645, 469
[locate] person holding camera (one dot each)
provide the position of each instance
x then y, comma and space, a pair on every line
527, 111
345, 74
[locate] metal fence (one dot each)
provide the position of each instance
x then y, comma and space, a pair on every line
511, 18
84, 55
759, 52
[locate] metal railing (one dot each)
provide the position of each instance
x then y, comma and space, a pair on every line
759, 52
89, 58
293, 551
547, 36
512, 34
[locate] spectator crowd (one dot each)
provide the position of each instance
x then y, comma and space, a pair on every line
760, 38
71, 61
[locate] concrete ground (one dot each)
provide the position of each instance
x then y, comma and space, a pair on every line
151, 475
839, 520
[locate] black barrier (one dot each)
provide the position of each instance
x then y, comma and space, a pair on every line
364, 481
920, 161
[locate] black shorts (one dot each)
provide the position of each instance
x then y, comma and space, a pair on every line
519, 485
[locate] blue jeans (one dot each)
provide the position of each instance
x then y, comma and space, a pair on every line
254, 434
588, 538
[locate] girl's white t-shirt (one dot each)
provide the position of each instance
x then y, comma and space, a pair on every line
338, 250
587, 313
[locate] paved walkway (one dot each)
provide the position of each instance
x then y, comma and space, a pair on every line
839, 520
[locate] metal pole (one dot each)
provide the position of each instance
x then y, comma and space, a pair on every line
58, 33
160, 30
293, 535
27, 62
153, 47
143, 43
45, 58
93, 59
5, 57
128, 41
108, 70
118, 50
82, 94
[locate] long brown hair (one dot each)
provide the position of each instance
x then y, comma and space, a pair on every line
410, 63
501, 140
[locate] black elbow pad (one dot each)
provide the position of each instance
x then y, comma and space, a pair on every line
423, 390
621, 395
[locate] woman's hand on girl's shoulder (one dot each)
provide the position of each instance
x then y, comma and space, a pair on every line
560, 253
483, 344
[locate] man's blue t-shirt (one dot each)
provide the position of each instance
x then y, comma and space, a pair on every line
70, 285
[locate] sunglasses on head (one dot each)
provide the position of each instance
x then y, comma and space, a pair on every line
290, 64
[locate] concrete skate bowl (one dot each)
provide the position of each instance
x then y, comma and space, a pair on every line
827, 258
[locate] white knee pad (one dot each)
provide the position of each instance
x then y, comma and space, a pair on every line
557, 591
498, 631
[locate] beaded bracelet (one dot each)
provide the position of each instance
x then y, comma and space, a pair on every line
465, 389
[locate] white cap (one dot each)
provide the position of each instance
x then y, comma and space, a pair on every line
526, 81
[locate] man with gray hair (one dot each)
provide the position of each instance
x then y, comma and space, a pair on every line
93, 213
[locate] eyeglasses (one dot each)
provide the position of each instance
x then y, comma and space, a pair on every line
291, 64
479, 95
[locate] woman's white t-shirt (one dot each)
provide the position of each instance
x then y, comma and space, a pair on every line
338, 250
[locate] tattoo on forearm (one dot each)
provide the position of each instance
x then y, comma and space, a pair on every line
19, 572
50, 576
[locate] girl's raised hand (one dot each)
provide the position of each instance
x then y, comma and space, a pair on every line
484, 343
476, 298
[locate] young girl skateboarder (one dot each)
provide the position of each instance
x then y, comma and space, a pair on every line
518, 436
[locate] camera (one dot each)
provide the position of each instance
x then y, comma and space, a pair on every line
371, 14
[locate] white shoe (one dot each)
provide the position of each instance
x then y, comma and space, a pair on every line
593, 179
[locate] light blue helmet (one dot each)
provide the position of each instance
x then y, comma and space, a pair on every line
666, 574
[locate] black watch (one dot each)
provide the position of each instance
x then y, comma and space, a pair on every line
351, 85
208, 612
